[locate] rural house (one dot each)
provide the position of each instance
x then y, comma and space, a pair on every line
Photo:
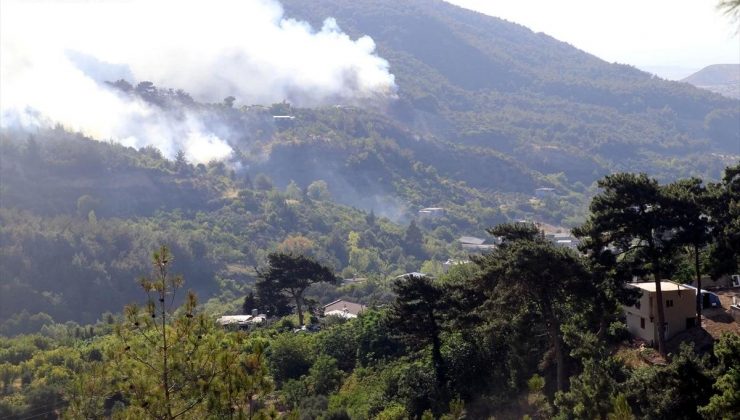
343, 308
679, 307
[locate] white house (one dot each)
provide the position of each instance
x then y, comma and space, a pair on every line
679, 308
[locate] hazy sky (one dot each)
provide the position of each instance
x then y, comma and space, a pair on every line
648, 34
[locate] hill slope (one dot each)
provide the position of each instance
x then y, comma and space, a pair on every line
475, 79
720, 78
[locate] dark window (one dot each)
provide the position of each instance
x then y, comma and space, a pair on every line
669, 303
642, 323
637, 305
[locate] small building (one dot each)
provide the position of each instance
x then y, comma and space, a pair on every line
679, 308
343, 308
564, 239
283, 121
473, 244
431, 212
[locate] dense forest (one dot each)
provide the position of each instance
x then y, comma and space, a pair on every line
528, 329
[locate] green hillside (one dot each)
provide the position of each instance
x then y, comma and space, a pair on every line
474, 79
487, 112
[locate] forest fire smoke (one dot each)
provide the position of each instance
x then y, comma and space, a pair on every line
56, 57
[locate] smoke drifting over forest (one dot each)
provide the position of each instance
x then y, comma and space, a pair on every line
57, 56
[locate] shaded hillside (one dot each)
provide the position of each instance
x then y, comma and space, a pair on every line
720, 78
78, 219
479, 80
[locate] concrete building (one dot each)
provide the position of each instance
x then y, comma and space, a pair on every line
679, 308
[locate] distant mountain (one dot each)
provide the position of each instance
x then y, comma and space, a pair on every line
669, 72
720, 78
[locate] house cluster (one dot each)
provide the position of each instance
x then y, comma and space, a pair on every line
340, 308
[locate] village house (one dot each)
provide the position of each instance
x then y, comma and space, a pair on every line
679, 308
343, 308
473, 244
564, 239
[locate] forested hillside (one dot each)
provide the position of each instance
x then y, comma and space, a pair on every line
479, 80
487, 111
529, 329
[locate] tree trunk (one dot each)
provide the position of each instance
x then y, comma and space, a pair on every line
554, 326
603, 327
165, 350
661, 314
439, 366
299, 308
699, 300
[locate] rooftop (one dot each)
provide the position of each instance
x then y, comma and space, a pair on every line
471, 240
664, 286
343, 306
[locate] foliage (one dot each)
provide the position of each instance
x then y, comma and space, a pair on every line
652, 391
291, 274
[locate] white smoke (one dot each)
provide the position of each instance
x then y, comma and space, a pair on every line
56, 55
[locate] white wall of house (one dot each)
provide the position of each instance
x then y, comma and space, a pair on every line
679, 307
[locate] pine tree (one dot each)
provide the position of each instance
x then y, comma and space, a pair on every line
633, 216
418, 314
166, 360
292, 275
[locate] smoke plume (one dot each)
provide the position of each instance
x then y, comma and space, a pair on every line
56, 57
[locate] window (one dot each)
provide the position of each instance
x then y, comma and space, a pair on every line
669, 303
637, 305
642, 323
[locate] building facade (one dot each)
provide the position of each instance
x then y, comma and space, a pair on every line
679, 308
